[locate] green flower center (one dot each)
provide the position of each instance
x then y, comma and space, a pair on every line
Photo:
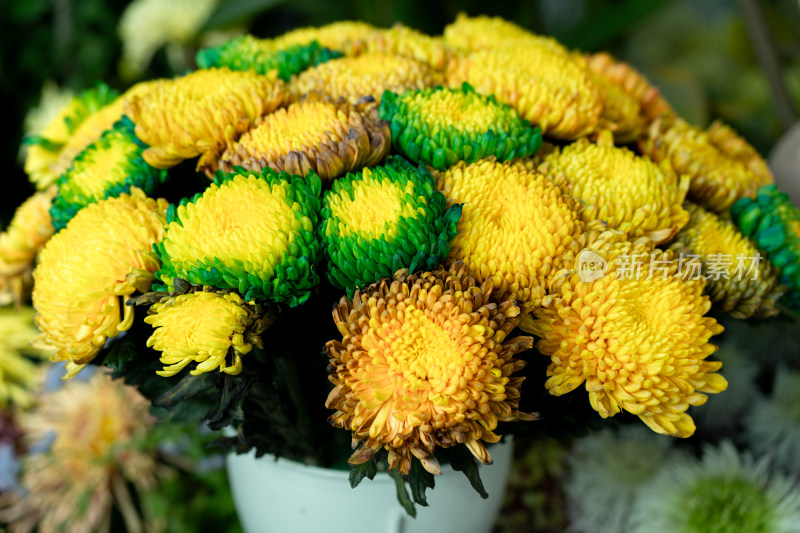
727, 505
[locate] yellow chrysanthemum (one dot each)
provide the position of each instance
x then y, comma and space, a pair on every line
424, 362
630, 102
17, 372
370, 74
552, 89
208, 328
739, 278
200, 112
515, 226
469, 34
100, 426
103, 254
22, 240
404, 41
628, 192
722, 166
349, 37
636, 336
315, 134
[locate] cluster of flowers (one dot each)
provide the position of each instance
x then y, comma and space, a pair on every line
410, 172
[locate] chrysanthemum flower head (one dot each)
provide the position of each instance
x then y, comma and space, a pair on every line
483, 32
630, 103
728, 492
515, 226
97, 453
18, 373
200, 112
628, 192
441, 126
739, 279
773, 222
263, 55
369, 74
44, 149
404, 41
636, 336
22, 240
608, 470
424, 362
211, 329
773, 425
317, 134
248, 231
102, 255
722, 166
107, 167
383, 219
548, 87
347, 36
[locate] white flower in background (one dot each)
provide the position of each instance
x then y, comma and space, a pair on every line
607, 471
726, 492
147, 25
773, 426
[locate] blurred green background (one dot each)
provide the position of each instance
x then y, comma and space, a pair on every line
700, 53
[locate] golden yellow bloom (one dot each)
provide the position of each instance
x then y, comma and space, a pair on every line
636, 336
315, 134
628, 192
424, 362
514, 228
99, 428
739, 278
208, 328
22, 240
722, 166
404, 41
17, 373
469, 34
369, 74
630, 102
346, 36
84, 271
552, 89
200, 112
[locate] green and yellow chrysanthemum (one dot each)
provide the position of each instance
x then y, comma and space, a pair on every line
263, 55
773, 222
630, 102
627, 192
514, 228
383, 219
201, 112
550, 88
22, 240
346, 36
316, 134
84, 271
636, 337
248, 231
18, 373
41, 162
441, 126
211, 329
739, 279
424, 362
99, 452
370, 75
108, 167
722, 166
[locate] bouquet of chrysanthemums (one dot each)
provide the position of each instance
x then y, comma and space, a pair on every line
422, 222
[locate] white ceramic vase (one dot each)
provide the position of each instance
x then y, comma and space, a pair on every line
289, 497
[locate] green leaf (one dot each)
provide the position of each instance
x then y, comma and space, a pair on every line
402, 494
121, 354
359, 472
462, 461
232, 11
188, 387
420, 480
